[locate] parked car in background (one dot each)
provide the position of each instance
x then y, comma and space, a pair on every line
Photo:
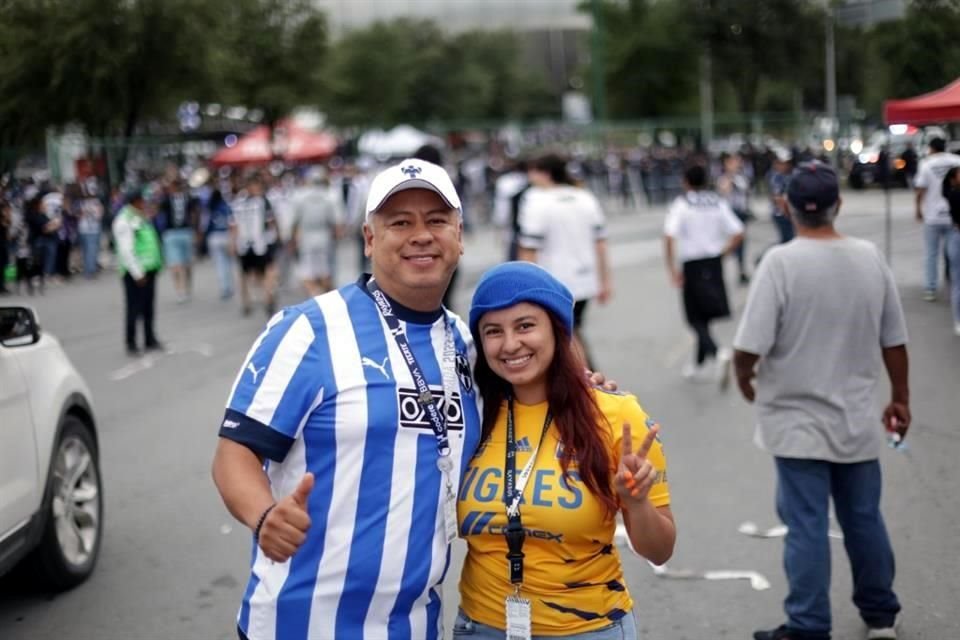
51, 495
899, 141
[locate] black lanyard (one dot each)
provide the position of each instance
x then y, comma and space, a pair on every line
514, 533
424, 396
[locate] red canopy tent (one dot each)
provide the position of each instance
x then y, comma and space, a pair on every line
292, 143
942, 105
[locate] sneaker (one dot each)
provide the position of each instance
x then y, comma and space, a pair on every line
134, 352
930, 295
782, 633
884, 633
156, 345
723, 368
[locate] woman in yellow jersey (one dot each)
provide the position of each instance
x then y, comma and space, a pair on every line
556, 463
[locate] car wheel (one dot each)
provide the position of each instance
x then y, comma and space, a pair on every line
73, 513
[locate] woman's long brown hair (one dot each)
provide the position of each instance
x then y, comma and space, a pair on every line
577, 417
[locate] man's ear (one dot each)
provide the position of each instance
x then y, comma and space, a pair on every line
839, 206
367, 239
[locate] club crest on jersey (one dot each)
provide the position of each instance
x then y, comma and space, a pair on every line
414, 416
463, 373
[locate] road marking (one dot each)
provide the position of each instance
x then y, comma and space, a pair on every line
751, 529
757, 580
149, 360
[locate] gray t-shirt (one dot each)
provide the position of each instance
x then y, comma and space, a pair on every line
818, 314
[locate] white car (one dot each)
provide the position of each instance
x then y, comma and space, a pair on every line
51, 500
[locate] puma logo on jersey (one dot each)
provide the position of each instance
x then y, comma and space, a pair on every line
382, 367
254, 371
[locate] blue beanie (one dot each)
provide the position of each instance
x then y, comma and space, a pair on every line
511, 283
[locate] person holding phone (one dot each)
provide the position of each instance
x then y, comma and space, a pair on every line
555, 465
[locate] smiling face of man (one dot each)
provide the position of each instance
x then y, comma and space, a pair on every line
414, 241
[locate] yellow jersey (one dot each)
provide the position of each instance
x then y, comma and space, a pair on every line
572, 572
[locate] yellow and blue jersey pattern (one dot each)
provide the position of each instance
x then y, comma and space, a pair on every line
572, 572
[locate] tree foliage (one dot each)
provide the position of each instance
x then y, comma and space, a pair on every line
269, 54
410, 71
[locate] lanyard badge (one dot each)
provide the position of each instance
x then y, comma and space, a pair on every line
426, 399
517, 607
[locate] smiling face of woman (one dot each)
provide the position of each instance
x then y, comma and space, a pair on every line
519, 344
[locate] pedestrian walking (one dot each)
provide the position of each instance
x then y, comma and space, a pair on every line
699, 230
139, 259
563, 229
822, 318
509, 190
318, 222
89, 226
933, 210
179, 219
361, 404
218, 241
576, 443
777, 181
254, 231
734, 187
951, 191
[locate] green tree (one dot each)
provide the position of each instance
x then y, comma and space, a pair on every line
411, 71
915, 55
106, 64
269, 54
651, 58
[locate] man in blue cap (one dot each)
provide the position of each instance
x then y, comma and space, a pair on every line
823, 315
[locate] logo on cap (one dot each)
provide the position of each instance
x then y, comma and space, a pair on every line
411, 171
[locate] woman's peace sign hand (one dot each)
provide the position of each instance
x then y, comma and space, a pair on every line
635, 474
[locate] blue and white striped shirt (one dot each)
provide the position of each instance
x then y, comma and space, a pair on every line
324, 389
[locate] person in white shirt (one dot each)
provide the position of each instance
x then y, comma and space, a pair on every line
700, 229
933, 210
563, 229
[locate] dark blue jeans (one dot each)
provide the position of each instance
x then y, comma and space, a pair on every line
784, 228
804, 489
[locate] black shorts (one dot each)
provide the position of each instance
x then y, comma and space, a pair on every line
251, 262
579, 307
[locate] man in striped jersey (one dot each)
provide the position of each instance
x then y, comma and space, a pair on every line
346, 431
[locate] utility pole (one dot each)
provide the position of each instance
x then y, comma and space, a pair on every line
831, 81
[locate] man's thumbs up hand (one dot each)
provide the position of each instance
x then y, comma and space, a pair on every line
302, 493
285, 527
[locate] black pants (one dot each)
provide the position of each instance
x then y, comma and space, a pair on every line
706, 347
140, 299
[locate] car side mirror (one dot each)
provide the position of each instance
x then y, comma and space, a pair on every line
18, 327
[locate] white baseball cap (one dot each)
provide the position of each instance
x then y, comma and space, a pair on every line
411, 174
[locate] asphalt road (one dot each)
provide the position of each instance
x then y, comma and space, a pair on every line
174, 563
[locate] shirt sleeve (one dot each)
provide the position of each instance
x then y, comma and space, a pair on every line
671, 224
893, 327
761, 317
599, 219
640, 424
533, 229
276, 389
922, 180
731, 223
